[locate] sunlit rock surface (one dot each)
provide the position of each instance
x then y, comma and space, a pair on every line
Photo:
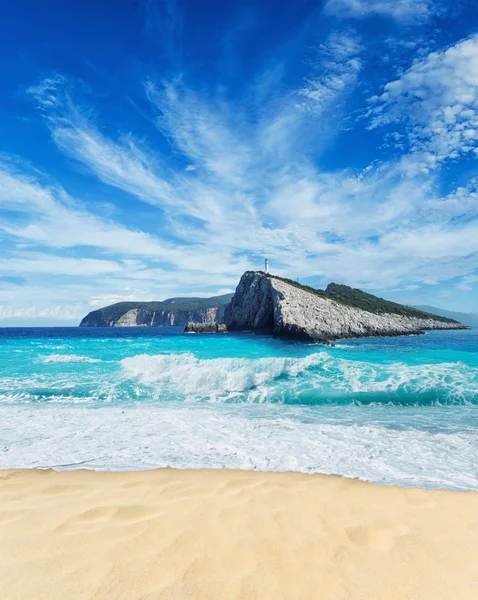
269, 304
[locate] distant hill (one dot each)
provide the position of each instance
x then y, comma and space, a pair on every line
470, 319
173, 311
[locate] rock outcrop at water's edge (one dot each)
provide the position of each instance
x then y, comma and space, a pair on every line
269, 304
205, 328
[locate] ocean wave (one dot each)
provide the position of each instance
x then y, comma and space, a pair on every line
65, 388
314, 379
69, 358
321, 378
187, 374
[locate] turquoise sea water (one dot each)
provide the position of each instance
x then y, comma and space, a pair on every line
390, 410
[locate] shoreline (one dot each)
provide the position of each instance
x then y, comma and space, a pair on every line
77, 468
218, 534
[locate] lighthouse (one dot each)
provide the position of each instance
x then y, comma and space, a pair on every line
266, 266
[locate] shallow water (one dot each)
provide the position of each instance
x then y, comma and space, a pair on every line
390, 410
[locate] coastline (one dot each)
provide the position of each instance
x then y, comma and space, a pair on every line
220, 534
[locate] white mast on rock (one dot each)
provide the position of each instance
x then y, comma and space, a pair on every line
266, 266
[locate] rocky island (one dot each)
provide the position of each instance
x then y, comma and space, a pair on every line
267, 303
285, 308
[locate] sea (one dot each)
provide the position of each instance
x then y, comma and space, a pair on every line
393, 411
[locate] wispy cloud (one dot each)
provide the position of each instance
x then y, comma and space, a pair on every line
163, 21
402, 10
121, 163
246, 199
53, 218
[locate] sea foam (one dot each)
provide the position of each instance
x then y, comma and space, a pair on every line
281, 438
68, 358
188, 375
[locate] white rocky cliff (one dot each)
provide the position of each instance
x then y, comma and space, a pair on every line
138, 317
171, 312
269, 304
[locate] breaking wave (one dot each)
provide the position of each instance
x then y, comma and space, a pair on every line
319, 378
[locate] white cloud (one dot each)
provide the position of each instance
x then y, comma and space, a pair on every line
51, 313
129, 294
201, 130
41, 263
402, 10
54, 219
122, 164
336, 67
46, 91
437, 101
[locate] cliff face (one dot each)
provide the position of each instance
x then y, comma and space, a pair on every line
158, 314
138, 317
269, 304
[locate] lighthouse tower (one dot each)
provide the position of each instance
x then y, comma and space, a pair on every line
266, 265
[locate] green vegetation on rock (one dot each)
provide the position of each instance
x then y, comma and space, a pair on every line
355, 298
358, 299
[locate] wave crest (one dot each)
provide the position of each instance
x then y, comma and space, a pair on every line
319, 378
69, 358
211, 378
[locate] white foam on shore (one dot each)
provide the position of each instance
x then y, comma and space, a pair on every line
271, 439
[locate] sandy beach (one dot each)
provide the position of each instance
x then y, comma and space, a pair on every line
171, 534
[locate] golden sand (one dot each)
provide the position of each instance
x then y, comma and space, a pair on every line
224, 535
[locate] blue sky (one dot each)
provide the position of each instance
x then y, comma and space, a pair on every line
161, 147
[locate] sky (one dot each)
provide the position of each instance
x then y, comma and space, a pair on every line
156, 148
